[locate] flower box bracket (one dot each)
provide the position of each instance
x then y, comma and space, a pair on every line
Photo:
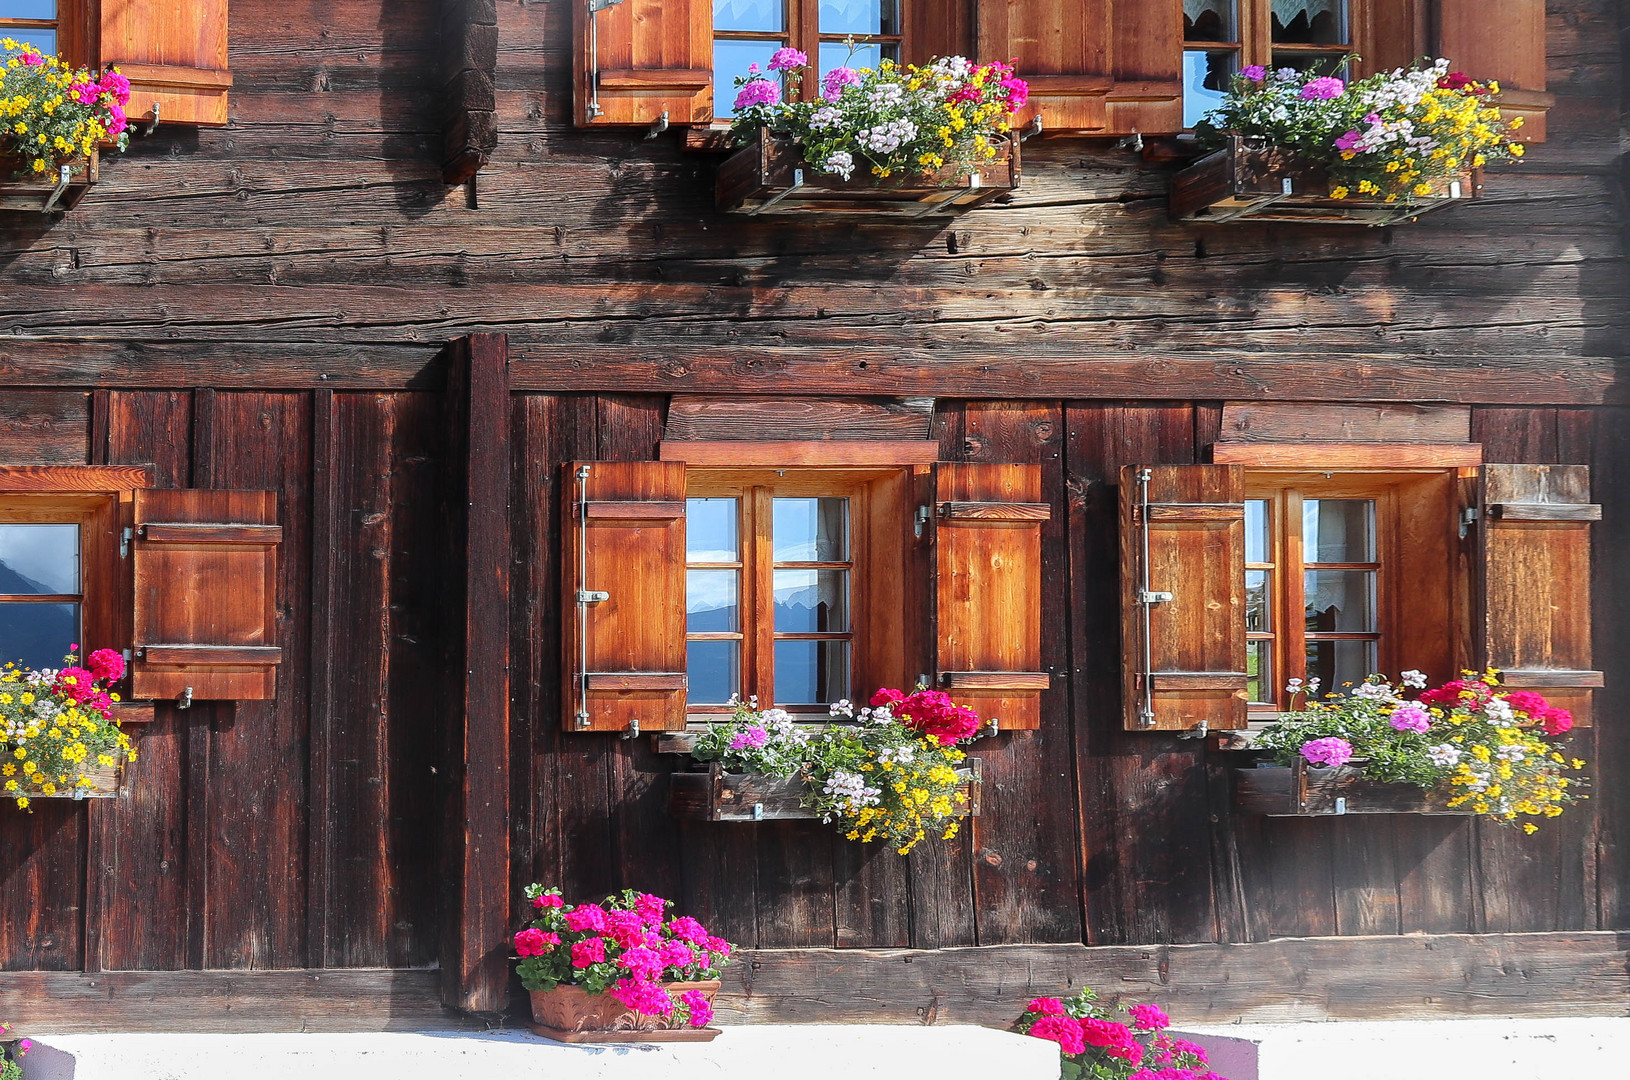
53, 192
1248, 180
712, 794
1302, 791
770, 176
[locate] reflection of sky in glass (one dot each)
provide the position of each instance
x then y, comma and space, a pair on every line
835, 54
812, 601
37, 635
39, 559
711, 668
27, 9
43, 40
730, 62
710, 601
811, 530
859, 17
811, 672
1256, 530
1198, 97
749, 15
710, 530
1338, 530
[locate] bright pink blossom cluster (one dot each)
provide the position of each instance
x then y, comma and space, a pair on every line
931, 713
625, 946
1475, 694
87, 686
1136, 1048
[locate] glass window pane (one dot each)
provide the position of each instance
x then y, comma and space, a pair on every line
1340, 665
749, 15
43, 40
1205, 83
1338, 530
1259, 671
730, 61
713, 670
810, 530
860, 17
1258, 602
1341, 600
812, 601
1256, 530
1310, 22
37, 635
1208, 20
39, 560
711, 534
811, 672
710, 602
835, 54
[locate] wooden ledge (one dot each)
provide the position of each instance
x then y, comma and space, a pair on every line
1349, 456
830, 453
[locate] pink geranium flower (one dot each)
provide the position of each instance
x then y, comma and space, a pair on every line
1047, 1006
1323, 89
701, 1010
787, 58
757, 92
1410, 718
1149, 1018
1062, 1030
1328, 751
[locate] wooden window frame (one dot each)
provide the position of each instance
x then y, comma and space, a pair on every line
802, 32
1417, 551
1253, 36
99, 591
879, 528
72, 24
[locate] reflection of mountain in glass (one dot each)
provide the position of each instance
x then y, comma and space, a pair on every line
37, 635
15, 584
804, 611
717, 617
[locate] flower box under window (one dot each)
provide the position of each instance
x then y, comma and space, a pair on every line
770, 176
711, 794
1248, 181
1301, 791
59, 189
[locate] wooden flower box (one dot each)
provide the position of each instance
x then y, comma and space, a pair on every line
105, 785
1246, 181
1301, 790
769, 176
571, 1014
49, 192
715, 795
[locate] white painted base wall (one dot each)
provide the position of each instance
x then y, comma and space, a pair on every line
1407, 1049
770, 1052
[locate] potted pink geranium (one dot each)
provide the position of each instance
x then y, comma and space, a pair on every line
1103, 1042
621, 970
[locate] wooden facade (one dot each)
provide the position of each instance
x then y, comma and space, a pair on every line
298, 303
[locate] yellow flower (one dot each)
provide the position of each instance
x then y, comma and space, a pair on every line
1338, 192
22, 804
1516, 149
1530, 828
1423, 189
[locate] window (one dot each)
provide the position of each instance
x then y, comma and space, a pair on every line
31, 22
1222, 36
747, 32
57, 577
770, 590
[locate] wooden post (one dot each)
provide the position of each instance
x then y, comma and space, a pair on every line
469, 42
474, 963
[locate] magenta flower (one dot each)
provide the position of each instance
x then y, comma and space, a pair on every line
1018, 92
1255, 72
751, 739
643, 997
651, 908
1323, 89
1149, 1018
589, 951
642, 963
1348, 141
1410, 718
785, 59
757, 92
688, 929
1047, 1006
32, 59
701, 1010
1329, 751
836, 79
586, 917
1062, 1030
117, 85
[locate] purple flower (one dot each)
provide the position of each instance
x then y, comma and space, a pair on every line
754, 737
1348, 141
1323, 89
1374, 118
1329, 751
785, 59
1410, 718
1255, 72
757, 92
836, 79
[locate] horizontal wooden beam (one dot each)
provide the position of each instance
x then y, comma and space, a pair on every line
59, 479
827, 452
1333, 978
335, 999
1349, 455
865, 370
191, 533
211, 654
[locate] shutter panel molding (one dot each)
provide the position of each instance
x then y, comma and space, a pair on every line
1195, 671
1503, 40
629, 545
1534, 581
638, 60
174, 53
987, 556
1147, 95
205, 604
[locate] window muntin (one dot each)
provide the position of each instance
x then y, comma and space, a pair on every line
747, 32
31, 22
41, 592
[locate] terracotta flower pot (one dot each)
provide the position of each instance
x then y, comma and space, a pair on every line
572, 1014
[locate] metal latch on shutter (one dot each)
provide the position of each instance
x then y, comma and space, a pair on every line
1146, 598
595, 7
584, 597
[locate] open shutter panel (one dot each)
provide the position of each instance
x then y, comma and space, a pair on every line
205, 567
1502, 40
624, 530
1535, 581
1147, 94
988, 589
174, 53
1183, 644
636, 60
1059, 47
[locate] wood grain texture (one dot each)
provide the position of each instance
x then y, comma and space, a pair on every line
1272, 422
1314, 455
797, 419
829, 453
649, 59
173, 54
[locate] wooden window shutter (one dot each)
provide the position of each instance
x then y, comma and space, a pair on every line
1188, 670
640, 59
1147, 67
1502, 40
624, 545
1534, 577
205, 607
174, 53
988, 589
1062, 49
